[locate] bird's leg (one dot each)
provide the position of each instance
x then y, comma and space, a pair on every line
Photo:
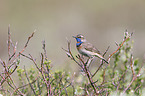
82, 56
89, 60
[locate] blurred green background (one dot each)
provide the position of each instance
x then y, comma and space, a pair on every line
102, 22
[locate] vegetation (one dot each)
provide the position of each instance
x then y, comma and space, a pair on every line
124, 75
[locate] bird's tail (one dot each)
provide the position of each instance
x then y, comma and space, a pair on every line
99, 56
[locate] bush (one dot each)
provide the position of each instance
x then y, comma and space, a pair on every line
124, 75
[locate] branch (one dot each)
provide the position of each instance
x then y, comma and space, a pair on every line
120, 45
29, 82
24, 47
69, 54
133, 79
101, 63
9, 37
89, 76
26, 84
131, 65
43, 43
112, 55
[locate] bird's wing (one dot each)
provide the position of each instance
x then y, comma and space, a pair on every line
88, 46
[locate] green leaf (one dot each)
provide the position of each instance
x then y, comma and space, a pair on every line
135, 62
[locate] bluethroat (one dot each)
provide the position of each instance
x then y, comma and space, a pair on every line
87, 49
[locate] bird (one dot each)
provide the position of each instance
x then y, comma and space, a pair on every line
87, 49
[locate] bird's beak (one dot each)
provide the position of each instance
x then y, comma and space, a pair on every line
74, 36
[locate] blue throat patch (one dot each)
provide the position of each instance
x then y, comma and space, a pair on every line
78, 42
78, 39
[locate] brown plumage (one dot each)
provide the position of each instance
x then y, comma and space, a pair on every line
88, 46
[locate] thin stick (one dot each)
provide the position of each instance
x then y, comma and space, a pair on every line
29, 82
24, 46
89, 77
68, 52
119, 46
111, 55
34, 62
131, 65
9, 37
133, 79
101, 63
26, 84
44, 48
14, 51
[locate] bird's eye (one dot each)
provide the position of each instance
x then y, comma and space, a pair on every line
80, 36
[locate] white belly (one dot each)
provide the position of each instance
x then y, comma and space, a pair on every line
86, 53
89, 53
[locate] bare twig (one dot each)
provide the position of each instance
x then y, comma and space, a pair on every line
26, 56
133, 79
60, 78
29, 82
4, 79
34, 62
106, 51
26, 84
43, 43
119, 46
131, 65
137, 88
112, 55
101, 63
8, 76
69, 54
14, 51
47, 83
89, 76
9, 37
63, 87
121, 79
24, 47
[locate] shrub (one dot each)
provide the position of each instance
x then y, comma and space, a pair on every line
124, 75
